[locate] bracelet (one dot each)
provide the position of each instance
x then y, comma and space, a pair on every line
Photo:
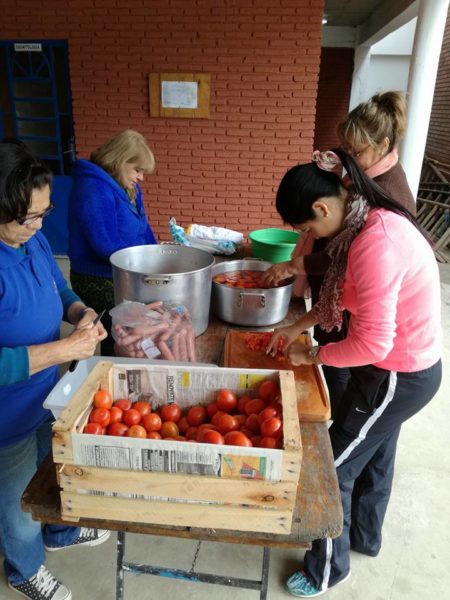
83, 311
314, 354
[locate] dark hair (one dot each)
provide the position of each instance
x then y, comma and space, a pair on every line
302, 185
20, 174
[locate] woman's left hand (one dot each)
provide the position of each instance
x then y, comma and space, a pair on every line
86, 322
298, 354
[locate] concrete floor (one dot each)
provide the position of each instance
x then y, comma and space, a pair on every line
413, 563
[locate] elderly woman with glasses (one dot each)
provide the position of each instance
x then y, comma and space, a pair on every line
34, 298
370, 134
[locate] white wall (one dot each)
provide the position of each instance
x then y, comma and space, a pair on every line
387, 73
385, 66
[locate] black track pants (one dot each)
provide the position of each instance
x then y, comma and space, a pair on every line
364, 438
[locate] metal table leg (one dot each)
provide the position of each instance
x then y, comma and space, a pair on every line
138, 568
119, 564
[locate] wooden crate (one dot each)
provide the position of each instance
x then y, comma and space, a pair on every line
176, 499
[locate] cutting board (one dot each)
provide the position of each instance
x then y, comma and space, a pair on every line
312, 398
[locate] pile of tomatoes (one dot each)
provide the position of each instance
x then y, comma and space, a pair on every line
244, 421
241, 279
259, 341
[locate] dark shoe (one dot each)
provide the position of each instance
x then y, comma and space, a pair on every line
42, 586
87, 537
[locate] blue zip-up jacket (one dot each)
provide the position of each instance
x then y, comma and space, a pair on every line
102, 220
33, 297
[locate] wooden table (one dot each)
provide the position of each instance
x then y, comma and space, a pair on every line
318, 513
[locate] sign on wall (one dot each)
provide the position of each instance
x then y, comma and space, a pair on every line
182, 95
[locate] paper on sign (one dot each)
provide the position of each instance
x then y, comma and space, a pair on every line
179, 94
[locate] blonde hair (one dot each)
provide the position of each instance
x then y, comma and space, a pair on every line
126, 147
383, 116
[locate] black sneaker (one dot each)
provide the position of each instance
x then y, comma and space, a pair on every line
42, 586
87, 537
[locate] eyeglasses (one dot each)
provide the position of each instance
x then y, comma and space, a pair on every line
42, 215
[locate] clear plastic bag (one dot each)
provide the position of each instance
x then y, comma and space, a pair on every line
154, 330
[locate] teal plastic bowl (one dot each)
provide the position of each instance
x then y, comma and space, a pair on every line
274, 245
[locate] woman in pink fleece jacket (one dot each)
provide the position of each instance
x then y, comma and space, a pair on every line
384, 273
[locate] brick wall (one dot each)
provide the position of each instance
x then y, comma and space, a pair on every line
438, 140
333, 97
263, 58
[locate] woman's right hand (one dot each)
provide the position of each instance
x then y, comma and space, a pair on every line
276, 273
289, 334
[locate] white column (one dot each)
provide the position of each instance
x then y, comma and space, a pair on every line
422, 78
360, 76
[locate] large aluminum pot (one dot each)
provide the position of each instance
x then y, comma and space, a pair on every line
255, 307
168, 272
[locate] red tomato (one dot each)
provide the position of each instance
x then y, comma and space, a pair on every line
212, 437
202, 429
152, 422
216, 417
242, 402
240, 419
183, 425
268, 442
207, 426
93, 428
268, 390
272, 427
143, 407
171, 412
100, 415
252, 423
102, 399
191, 433
123, 404
136, 431
248, 432
226, 400
267, 413
118, 429
154, 435
116, 414
211, 409
227, 423
256, 405
277, 406
132, 417
237, 438
196, 415
169, 429
256, 440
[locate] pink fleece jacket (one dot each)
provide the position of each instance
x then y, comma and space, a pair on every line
393, 294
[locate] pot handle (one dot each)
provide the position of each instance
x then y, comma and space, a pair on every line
154, 280
242, 295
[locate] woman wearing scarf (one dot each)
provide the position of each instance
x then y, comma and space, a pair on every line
383, 272
370, 134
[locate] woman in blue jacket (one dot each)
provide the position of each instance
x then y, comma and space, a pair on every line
34, 298
106, 214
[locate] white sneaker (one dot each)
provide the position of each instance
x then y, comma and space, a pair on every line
42, 586
87, 537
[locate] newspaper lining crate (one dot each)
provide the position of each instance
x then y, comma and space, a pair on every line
102, 476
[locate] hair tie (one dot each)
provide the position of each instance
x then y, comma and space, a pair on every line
328, 161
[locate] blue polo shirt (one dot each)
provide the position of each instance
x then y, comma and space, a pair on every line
33, 298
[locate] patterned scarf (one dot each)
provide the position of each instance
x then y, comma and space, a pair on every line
328, 309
